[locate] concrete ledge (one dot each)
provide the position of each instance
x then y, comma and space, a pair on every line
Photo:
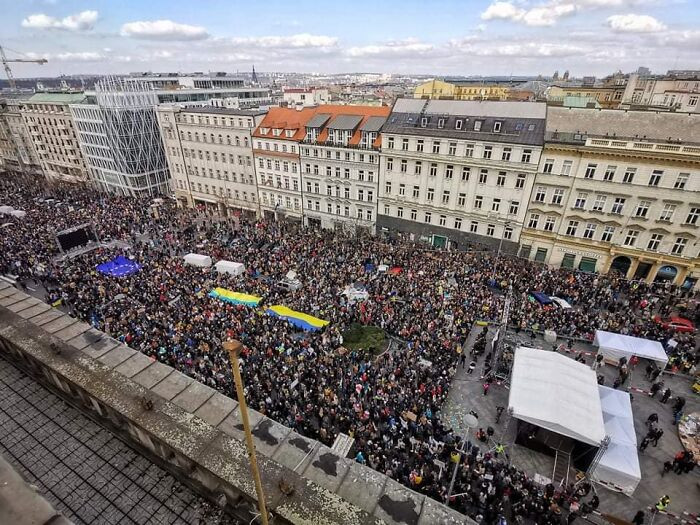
172, 385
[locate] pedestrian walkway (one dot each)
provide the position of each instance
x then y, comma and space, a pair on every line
85, 472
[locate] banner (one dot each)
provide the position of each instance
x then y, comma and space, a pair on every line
298, 319
235, 297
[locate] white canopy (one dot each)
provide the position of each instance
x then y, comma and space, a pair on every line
230, 267
6, 209
18, 213
618, 468
195, 259
557, 393
615, 346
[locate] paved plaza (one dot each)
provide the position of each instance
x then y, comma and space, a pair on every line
466, 394
85, 472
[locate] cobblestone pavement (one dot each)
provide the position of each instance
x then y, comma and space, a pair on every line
85, 472
466, 394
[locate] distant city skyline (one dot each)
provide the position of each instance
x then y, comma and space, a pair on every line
442, 38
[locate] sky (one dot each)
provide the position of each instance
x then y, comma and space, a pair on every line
432, 37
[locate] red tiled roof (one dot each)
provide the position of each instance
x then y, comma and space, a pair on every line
363, 111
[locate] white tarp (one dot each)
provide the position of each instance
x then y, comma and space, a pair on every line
557, 393
614, 346
18, 213
6, 209
618, 468
196, 259
230, 267
561, 302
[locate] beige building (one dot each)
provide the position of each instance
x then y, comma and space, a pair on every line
17, 153
210, 156
606, 96
54, 136
618, 190
460, 90
677, 90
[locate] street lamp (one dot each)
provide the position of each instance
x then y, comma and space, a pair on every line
470, 421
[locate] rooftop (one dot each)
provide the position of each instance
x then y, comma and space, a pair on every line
56, 98
225, 111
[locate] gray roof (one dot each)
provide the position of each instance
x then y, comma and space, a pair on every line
318, 120
457, 119
226, 111
474, 108
651, 125
347, 122
373, 124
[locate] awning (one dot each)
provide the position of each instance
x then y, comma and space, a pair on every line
615, 346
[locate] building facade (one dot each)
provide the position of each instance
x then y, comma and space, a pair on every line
210, 156
17, 152
312, 96
455, 173
461, 90
606, 96
677, 90
276, 144
339, 158
48, 119
614, 193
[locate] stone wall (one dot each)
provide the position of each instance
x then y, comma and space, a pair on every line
195, 431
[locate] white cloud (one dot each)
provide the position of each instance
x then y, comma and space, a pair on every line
83, 21
502, 11
163, 30
69, 56
632, 23
409, 47
302, 40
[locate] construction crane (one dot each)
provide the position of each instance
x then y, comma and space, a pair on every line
6, 64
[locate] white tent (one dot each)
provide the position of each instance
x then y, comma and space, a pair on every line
614, 346
230, 267
18, 213
195, 259
557, 393
6, 209
618, 468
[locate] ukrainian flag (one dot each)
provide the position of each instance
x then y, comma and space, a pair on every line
298, 319
235, 297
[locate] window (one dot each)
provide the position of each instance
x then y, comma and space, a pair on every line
404, 144
433, 169
404, 165
402, 189
390, 143
631, 237
445, 197
389, 163
452, 149
642, 209
488, 150
571, 228
442, 221
679, 245
549, 223
387, 188
474, 227
478, 202
557, 196
490, 230
654, 241
431, 194
360, 195
618, 205
496, 205
423, 122
428, 217
501, 179
497, 126
465, 173
520, 181
548, 166
346, 193
449, 170
655, 178
534, 220
399, 211
414, 215
540, 194
693, 215
566, 168
458, 123
506, 154
568, 260
667, 212
508, 233
436, 146
590, 171
527, 156
458, 223
477, 125
541, 255
419, 145
609, 173
416, 192
441, 123
581, 201
589, 232
469, 150
599, 202
628, 177
461, 199
513, 208
418, 168
483, 176
681, 181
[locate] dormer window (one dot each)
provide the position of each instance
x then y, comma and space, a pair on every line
276, 132
497, 126
289, 133
423, 122
459, 123
441, 123
477, 125
264, 131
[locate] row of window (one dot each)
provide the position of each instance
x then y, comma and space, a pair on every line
281, 201
362, 175
361, 194
465, 173
242, 160
449, 222
215, 174
279, 165
277, 147
218, 139
464, 150
268, 179
461, 198
217, 191
610, 173
337, 209
214, 121
347, 156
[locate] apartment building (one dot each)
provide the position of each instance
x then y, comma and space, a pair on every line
676, 90
310, 96
52, 129
17, 152
618, 190
455, 173
462, 90
209, 151
276, 143
339, 157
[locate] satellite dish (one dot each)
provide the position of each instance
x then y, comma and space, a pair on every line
471, 421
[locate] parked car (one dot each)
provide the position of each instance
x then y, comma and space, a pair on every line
677, 324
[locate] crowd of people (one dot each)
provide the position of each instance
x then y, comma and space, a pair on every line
389, 403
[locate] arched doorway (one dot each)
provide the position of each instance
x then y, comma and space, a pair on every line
665, 274
621, 264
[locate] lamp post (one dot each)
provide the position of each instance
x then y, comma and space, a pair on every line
234, 351
470, 422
